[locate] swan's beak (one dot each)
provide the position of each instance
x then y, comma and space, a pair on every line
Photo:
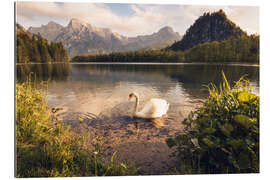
129, 97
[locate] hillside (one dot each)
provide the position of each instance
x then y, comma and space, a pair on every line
34, 48
207, 28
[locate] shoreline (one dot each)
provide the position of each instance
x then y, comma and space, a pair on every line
152, 63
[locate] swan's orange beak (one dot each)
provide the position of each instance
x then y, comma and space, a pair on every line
129, 97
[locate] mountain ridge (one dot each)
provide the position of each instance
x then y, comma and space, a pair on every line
82, 38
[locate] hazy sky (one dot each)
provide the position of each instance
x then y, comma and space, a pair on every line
131, 19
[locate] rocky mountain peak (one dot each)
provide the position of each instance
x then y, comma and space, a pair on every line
166, 29
76, 24
53, 24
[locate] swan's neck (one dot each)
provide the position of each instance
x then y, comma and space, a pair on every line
136, 105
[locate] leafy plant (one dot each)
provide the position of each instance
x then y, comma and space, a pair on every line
222, 136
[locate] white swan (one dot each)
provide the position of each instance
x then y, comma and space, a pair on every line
154, 108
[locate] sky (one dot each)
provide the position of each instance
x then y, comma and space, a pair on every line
131, 19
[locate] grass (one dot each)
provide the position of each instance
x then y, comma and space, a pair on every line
47, 148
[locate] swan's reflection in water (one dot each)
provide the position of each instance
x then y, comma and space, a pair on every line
150, 123
158, 122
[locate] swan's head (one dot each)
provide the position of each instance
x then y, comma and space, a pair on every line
133, 94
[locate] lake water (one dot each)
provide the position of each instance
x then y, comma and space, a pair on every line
102, 89
78, 85
98, 94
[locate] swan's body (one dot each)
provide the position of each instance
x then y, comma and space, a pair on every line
154, 108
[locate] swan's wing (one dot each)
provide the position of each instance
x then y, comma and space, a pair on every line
161, 107
154, 108
147, 111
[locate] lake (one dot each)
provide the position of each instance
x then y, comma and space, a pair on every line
77, 86
98, 95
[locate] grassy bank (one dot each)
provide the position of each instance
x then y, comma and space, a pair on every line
47, 148
222, 136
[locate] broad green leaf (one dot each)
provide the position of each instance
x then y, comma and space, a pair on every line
208, 142
236, 143
209, 130
243, 120
245, 96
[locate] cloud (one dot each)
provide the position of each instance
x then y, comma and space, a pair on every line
145, 19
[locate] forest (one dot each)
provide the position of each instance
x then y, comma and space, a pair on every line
232, 49
35, 49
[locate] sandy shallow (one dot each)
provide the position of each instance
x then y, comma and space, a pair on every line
137, 141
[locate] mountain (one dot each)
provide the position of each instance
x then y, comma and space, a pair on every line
49, 31
209, 27
81, 38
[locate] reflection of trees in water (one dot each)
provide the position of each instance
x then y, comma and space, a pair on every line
43, 72
191, 76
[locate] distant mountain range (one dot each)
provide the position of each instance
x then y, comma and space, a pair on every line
207, 28
82, 38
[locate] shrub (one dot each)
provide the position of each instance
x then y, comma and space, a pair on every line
222, 136
47, 148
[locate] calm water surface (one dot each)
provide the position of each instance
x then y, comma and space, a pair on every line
103, 89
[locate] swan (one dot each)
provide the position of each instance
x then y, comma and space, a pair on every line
154, 108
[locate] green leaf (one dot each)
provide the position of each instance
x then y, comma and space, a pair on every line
229, 127
208, 142
243, 120
236, 143
112, 158
225, 131
209, 130
226, 86
245, 96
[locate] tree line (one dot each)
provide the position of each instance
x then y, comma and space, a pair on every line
233, 49
38, 50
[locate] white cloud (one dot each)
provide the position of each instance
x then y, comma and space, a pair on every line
146, 19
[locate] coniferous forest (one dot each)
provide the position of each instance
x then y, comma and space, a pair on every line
241, 49
35, 49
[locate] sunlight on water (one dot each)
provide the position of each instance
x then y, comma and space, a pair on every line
103, 89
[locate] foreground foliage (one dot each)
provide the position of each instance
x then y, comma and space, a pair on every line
46, 148
222, 136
